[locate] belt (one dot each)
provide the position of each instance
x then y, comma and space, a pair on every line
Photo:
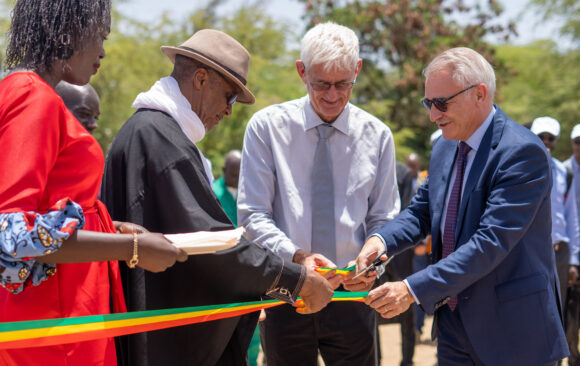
559, 245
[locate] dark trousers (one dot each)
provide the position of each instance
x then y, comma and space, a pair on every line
453, 345
573, 324
562, 264
343, 332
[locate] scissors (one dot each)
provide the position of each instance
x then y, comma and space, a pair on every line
377, 262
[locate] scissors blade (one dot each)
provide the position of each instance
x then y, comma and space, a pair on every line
377, 262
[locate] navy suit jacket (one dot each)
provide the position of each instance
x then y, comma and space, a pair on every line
503, 267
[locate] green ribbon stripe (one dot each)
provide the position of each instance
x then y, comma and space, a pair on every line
49, 323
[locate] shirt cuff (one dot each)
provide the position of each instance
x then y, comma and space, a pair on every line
411, 291
286, 251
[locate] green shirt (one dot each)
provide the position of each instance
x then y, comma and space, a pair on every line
226, 199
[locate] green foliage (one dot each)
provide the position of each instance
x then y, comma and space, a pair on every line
544, 83
134, 63
5, 7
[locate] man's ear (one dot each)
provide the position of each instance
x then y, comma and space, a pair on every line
301, 70
358, 67
481, 92
200, 78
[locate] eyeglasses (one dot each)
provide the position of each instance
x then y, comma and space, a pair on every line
441, 103
576, 141
233, 98
547, 137
325, 85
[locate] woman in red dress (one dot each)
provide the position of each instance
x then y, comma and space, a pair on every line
50, 173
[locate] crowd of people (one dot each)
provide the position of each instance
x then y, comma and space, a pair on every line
488, 241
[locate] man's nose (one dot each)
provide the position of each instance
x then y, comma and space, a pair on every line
434, 114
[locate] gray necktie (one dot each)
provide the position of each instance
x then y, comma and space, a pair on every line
323, 235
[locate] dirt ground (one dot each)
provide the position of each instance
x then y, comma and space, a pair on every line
425, 350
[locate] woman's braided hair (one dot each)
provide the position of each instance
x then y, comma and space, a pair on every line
44, 30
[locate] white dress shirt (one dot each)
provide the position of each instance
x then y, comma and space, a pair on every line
275, 185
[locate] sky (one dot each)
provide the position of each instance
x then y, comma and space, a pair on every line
290, 11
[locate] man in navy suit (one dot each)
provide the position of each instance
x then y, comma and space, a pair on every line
486, 202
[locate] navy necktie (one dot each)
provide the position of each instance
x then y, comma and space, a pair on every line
453, 209
323, 234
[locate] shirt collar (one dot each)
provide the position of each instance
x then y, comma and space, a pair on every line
312, 119
475, 139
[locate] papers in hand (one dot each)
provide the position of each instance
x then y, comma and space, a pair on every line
205, 242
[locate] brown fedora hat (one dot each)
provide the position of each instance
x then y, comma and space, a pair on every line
220, 52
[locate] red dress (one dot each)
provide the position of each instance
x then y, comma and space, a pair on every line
47, 155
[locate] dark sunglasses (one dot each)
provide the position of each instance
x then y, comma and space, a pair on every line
231, 99
576, 141
547, 137
441, 103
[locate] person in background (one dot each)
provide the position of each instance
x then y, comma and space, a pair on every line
565, 227
413, 163
83, 101
226, 186
317, 175
226, 190
400, 267
573, 303
156, 176
50, 173
493, 284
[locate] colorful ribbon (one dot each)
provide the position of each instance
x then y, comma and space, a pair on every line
341, 271
49, 332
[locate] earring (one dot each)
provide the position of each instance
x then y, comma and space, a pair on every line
64, 50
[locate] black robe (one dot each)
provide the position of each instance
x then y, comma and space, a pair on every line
154, 177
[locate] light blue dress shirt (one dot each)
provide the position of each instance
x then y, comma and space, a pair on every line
275, 184
565, 226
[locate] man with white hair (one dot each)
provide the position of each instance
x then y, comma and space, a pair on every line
318, 175
493, 283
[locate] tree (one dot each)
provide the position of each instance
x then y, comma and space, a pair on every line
541, 86
398, 39
568, 10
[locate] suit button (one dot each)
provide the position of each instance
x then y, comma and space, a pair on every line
465, 297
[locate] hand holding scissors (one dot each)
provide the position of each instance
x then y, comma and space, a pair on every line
377, 264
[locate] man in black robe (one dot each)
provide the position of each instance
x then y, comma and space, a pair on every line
156, 177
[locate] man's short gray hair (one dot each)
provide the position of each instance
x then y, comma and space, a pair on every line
332, 45
467, 66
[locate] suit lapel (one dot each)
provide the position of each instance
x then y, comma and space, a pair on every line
440, 169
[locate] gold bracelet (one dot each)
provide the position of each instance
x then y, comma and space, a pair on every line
135, 259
